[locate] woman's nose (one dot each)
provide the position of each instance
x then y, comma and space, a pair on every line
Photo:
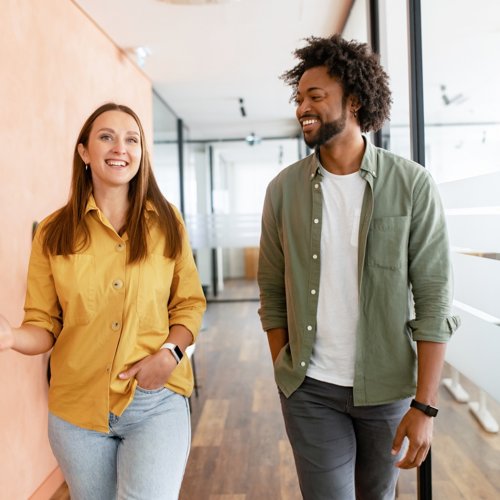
120, 146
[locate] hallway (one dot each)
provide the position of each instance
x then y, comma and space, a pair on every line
239, 447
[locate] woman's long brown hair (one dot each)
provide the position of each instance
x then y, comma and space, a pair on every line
67, 232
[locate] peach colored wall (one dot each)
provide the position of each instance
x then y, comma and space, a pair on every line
56, 67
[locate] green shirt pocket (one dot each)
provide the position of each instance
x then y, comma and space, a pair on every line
387, 245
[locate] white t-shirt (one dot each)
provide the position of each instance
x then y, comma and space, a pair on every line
334, 351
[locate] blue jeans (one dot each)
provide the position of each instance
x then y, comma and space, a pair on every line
142, 457
342, 451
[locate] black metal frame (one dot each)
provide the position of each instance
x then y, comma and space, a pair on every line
180, 154
215, 267
417, 132
374, 33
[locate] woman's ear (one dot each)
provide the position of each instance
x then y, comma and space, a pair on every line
83, 153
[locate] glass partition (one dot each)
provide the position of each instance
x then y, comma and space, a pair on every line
461, 82
165, 150
225, 227
394, 57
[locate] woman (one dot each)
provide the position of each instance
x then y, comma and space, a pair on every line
113, 289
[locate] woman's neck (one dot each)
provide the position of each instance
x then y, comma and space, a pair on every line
114, 204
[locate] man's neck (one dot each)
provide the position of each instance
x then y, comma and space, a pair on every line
343, 155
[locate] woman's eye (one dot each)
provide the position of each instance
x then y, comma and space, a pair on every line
105, 137
133, 140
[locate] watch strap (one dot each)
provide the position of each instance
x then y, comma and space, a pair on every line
175, 350
427, 409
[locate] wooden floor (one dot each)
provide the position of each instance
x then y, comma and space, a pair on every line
239, 447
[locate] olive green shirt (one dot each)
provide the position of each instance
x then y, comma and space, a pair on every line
404, 272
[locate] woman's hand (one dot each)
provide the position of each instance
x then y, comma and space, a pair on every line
6, 334
27, 339
152, 371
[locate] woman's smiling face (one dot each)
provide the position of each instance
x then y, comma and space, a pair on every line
113, 151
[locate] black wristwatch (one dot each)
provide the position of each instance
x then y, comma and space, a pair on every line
430, 411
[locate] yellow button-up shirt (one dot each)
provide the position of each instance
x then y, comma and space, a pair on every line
107, 314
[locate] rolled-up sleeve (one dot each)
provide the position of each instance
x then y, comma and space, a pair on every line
271, 271
187, 301
41, 306
430, 267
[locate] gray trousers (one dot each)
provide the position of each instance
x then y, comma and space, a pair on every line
342, 451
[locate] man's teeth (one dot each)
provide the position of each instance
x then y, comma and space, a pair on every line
308, 122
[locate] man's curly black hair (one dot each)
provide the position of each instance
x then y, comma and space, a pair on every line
357, 68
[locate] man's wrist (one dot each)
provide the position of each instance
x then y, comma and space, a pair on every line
429, 410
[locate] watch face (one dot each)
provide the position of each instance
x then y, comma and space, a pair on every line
432, 412
178, 352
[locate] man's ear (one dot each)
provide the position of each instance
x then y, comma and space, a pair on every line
354, 103
83, 153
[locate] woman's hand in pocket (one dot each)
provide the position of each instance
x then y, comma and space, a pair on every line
152, 371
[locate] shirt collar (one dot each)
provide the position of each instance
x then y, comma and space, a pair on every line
369, 163
368, 166
314, 165
92, 205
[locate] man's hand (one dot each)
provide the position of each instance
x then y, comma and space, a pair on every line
417, 427
6, 334
277, 338
152, 371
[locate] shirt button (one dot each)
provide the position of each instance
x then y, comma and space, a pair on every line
302, 363
315, 256
316, 186
309, 328
117, 284
313, 292
108, 368
115, 325
120, 247
316, 221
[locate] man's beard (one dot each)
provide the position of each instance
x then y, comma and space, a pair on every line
327, 131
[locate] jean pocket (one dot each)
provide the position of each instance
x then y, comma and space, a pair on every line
149, 391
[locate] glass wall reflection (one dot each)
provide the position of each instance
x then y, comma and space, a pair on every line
462, 131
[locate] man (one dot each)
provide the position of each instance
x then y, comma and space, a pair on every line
353, 240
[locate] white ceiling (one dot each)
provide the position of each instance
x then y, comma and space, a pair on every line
205, 57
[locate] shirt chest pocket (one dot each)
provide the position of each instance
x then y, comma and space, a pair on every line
155, 279
75, 283
387, 245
